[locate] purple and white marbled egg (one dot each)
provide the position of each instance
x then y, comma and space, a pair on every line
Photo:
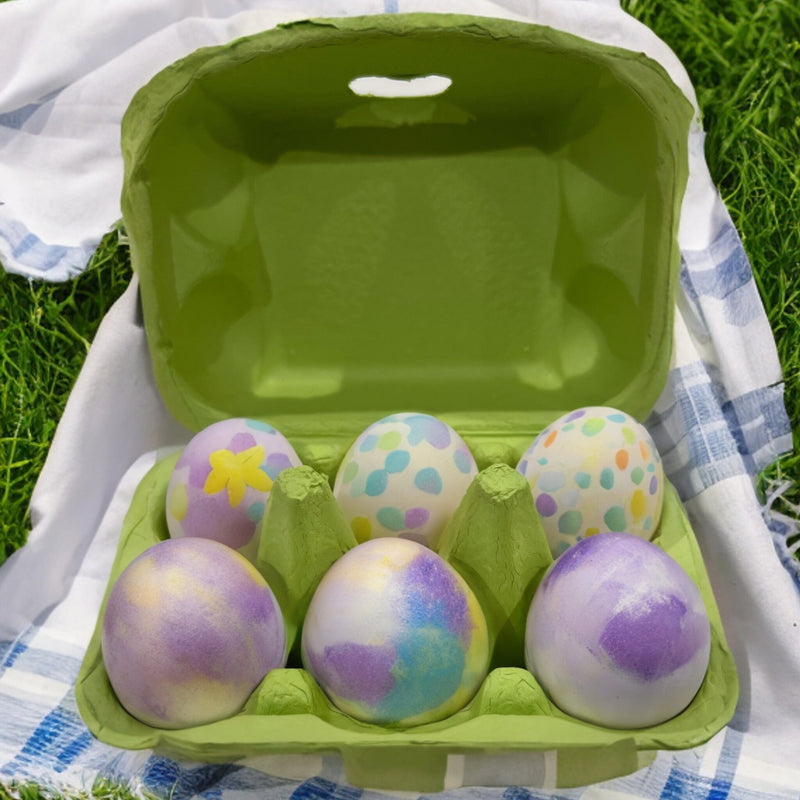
221, 482
189, 631
394, 635
617, 633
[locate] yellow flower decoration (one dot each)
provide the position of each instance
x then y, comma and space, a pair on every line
237, 471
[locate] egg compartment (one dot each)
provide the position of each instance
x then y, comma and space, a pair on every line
495, 251
497, 544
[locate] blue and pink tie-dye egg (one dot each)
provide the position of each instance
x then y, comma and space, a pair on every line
404, 476
189, 631
394, 635
617, 633
594, 469
221, 482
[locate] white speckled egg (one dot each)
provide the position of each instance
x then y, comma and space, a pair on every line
595, 469
404, 476
220, 484
617, 633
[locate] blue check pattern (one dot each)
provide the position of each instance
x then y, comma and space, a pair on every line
51, 262
704, 432
704, 436
56, 743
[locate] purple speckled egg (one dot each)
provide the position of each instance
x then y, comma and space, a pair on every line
617, 633
189, 631
594, 469
221, 482
394, 635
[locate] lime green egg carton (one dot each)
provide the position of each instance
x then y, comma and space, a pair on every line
339, 219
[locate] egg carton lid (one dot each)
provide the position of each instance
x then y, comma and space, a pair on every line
495, 246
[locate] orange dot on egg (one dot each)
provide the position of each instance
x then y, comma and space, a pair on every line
550, 439
622, 458
643, 449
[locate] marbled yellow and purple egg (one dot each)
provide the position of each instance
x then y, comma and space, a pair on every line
189, 631
404, 476
617, 633
595, 469
221, 482
394, 635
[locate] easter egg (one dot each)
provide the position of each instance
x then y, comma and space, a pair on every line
594, 469
189, 631
617, 633
220, 484
404, 476
394, 635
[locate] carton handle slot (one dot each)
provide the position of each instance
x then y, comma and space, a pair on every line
400, 86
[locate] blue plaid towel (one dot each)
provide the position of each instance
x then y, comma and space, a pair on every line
720, 420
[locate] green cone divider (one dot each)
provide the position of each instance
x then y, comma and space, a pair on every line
287, 691
302, 534
496, 542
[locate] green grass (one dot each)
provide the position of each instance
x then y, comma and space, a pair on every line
46, 333
101, 790
743, 57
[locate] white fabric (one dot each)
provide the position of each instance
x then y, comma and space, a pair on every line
760, 608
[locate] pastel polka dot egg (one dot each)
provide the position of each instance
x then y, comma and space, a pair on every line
189, 631
395, 636
617, 633
222, 479
404, 476
593, 470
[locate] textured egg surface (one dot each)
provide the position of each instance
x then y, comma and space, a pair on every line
189, 631
404, 476
594, 469
221, 482
617, 633
394, 635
